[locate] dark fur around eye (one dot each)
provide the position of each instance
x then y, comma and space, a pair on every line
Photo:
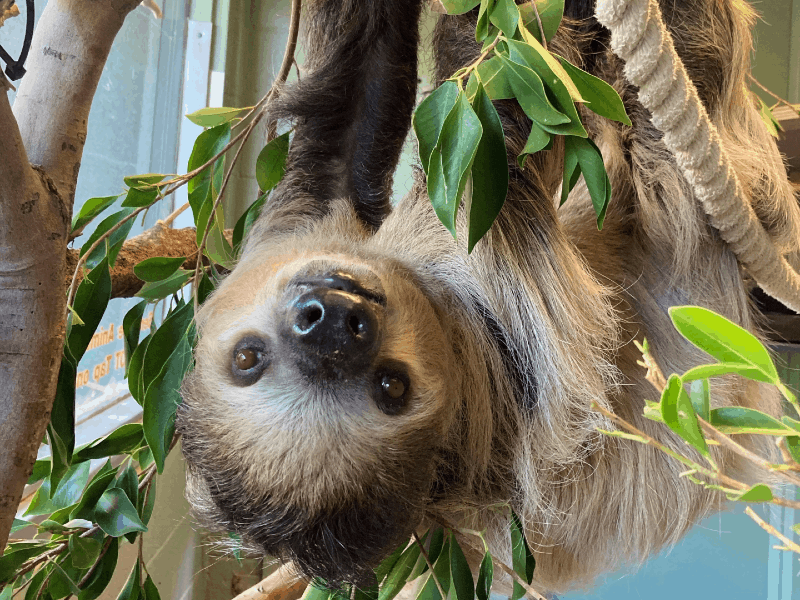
249, 360
392, 388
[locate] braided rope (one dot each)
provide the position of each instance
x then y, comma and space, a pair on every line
640, 38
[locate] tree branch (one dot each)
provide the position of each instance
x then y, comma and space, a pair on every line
283, 584
69, 50
157, 241
32, 250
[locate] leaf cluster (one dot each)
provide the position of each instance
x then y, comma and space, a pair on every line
459, 130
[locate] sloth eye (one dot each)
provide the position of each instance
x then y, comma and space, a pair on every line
250, 359
392, 391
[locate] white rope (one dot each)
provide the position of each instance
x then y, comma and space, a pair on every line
640, 38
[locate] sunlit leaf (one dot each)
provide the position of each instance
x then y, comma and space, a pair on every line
211, 117
757, 493
397, 577
458, 7
601, 98
482, 25
505, 16
700, 396
162, 289
678, 413
737, 419
550, 12
91, 209
492, 75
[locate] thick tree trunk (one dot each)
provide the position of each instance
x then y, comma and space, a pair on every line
69, 49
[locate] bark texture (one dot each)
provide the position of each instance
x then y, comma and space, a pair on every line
157, 241
47, 128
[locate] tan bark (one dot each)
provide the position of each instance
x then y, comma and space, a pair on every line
68, 52
69, 49
33, 239
283, 584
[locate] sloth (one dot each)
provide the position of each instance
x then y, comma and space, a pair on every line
359, 374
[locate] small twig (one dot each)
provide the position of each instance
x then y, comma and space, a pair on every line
471, 67
771, 530
85, 579
654, 374
729, 443
771, 93
539, 20
788, 459
430, 566
730, 482
174, 215
286, 65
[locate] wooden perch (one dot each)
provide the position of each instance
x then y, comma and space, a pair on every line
283, 584
156, 241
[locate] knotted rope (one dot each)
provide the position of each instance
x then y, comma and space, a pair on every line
640, 38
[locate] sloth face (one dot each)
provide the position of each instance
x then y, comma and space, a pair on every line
312, 419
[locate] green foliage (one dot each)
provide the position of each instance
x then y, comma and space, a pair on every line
458, 129
271, 162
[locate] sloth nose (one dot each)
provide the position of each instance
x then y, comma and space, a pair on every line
333, 333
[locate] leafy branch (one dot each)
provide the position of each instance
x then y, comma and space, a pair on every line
685, 408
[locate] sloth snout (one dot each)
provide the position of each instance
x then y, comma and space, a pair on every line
333, 333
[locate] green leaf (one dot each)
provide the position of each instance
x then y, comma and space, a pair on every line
700, 396
98, 485
90, 303
131, 330
60, 584
158, 267
601, 98
5, 593
718, 370
492, 74
430, 116
59, 457
36, 582
314, 591
150, 591
135, 370
137, 198
441, 569
68, 491
678, 413
207, 145
529, 92
18, 524
115, 514
102, 576
132, 587
41, 469
485, 576
505, 16
757, 493
62, 416
771, 123
482, 26
455, 151
459, 7
123, 439
724, 340
550, 12
162, 289
489, 170
113, 243
83, 551
146, 502
271, 162
555, 78
211, 117
397, 577
15, 555
737, 419
128, 482
162, 399
521, 557
246, 221
538, 139
793, 446
91, 209
437, 543
583, 156
463, 583
147, 181
388, 563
